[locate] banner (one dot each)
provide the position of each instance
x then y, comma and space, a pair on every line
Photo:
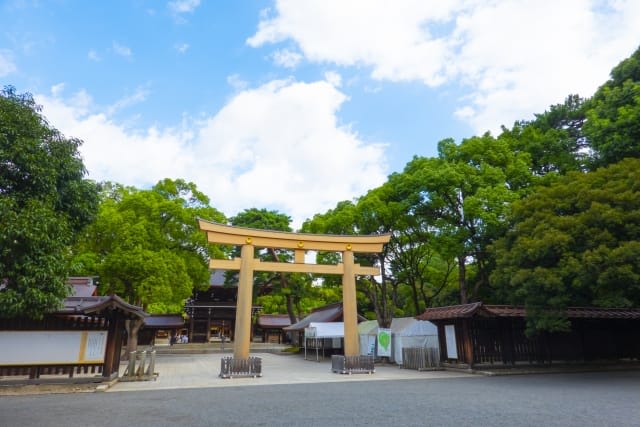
384, 342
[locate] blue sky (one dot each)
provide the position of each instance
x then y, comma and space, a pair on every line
295, 105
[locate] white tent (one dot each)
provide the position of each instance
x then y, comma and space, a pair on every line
368, 332
407, 332
326, 330
323, 335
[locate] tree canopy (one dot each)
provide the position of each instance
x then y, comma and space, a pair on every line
613, 114
44, 201
146, 246
574, 243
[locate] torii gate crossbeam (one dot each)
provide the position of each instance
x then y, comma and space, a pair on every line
249, 239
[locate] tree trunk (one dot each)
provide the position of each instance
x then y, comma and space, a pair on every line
283, 281
132, 326
462, 280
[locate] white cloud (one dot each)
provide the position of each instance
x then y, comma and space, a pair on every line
93, 56
181, 47
7, 66
268, 147
334, 78
236, 82
513, 57
138, 96
286, 58
56, 90
122, 50
183, 6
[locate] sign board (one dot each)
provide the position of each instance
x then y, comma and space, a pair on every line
450, 335
52, 347
384, 342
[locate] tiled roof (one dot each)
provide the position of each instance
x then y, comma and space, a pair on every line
275, 321
452, 311
82, 286
165, 321
328, 313
477, 308
98, 305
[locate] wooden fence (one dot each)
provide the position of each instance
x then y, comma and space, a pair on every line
420, 358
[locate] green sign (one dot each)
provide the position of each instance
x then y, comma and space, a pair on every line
384, 342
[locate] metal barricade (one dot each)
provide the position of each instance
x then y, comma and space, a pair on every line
231, 367
352, 364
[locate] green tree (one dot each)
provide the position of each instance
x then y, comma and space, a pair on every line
613, 114
416, 259
370, 215
465, 194
554, 140
573, 243
147, 247
44, 201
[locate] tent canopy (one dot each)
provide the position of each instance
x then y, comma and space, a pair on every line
407, 332
328, 329
368, 327
409, 326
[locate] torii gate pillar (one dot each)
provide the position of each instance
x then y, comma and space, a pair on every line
242, 340
349, 306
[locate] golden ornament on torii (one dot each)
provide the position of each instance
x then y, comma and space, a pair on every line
249, 239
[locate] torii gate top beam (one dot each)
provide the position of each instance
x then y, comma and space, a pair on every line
230, 235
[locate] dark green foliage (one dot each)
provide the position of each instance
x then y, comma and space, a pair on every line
146, 245
44, 202
574, 243
554, 140
613, 115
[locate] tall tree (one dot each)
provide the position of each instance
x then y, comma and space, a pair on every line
416, 259
613, 114
147, 247
575, 242
370, 215
555, 140
44, 201
465, 193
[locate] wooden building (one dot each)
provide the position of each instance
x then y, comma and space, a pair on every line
85, 336
475, 335
160, 326
271, 327
211, 314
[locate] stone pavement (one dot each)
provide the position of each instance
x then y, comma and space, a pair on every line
181, 371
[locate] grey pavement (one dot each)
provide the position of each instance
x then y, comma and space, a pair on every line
562, 400
182, 371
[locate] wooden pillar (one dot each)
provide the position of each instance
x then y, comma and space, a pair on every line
242, 336
468, 342
111, 366
350, 306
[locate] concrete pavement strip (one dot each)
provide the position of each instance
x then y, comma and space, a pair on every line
202, 370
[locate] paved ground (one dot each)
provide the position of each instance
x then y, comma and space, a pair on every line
202, 370
563, 400
298, 392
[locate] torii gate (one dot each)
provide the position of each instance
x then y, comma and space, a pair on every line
250, 238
